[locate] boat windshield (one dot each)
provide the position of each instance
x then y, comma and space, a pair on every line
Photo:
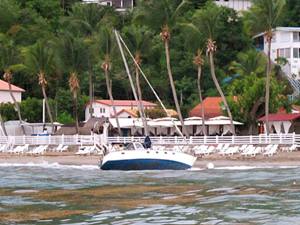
135, 146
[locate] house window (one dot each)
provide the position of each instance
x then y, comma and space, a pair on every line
296, 36
296, 53
284, 52
103, 110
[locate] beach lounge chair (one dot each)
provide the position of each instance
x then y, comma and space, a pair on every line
2, 148
219, 147
292, 148
84, 150
271, 151
256, 151
248, 151
23, 149
16, 150
242, 148
209, 150
267, 148
59, 147
232, 150
39, 150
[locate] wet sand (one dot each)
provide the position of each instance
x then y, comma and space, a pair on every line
279, 160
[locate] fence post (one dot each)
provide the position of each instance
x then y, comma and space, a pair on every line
204, 140
176, 141
232, 139
293, 138
217, 139
63, 139
24, 141
280, 138
191, 139
250, 139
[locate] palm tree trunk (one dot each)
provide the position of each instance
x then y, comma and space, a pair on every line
213, 74
90, 91
48, 108
173, 88
76, 112
16, 105
140, 97
2, 125
112, 100
200, 98
268, 88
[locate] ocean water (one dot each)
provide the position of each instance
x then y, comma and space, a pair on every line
82, 195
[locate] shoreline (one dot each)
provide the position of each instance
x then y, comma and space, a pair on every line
282, 159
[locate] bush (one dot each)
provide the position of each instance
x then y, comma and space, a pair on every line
65, 118
8, 111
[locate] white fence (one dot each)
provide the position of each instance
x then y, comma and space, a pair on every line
52, 140
288, 139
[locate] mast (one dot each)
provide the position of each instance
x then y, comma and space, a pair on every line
148, 82
132, 84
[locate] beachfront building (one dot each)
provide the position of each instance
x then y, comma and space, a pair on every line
119, 5
238, 5
285, 45
124, 108
5, 95
212, 108
282, 123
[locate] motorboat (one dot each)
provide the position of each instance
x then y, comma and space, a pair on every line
136, 157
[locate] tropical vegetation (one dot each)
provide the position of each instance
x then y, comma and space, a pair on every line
63, 52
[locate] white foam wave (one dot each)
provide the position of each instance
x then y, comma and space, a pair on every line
48, 165
254, 167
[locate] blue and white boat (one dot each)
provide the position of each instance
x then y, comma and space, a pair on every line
136, 157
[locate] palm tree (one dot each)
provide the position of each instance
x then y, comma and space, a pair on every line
263, 16
106, 48
86, 20
74, 87
194, 41
2, 125
138, 39
248, 63
199, 61
207, 20
164, 14
39, 59
8, 58
73, 54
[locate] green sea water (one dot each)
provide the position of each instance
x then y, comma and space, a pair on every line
55, 194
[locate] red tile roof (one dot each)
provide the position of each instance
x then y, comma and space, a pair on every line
125, 103
281, 117
4, 87
130, 112
212, 108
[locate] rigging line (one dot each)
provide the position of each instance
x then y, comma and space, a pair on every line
131, 83
148, 82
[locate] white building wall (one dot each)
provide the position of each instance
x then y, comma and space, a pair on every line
5, 97
101, 110
238, 5
283, 43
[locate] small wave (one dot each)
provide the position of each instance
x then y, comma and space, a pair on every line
254, 167
25, 191
50, 166
196, 169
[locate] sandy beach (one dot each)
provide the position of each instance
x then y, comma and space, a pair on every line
281, 159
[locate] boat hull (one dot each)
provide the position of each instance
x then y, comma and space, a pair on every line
147, 160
